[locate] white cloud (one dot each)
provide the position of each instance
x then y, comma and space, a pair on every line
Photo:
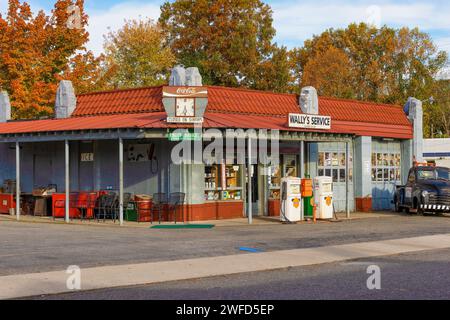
444, 74
297, 20
101, 22
35, 7
443, 43
3, 5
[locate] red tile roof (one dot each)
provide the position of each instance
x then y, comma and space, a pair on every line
120, 101
227, 108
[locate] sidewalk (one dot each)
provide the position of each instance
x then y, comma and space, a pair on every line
35, 284
257, 221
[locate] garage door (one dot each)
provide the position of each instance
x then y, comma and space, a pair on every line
331, 163
386, 173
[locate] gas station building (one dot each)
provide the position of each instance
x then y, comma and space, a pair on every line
123, 140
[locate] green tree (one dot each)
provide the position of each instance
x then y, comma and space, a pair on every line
230, 41
437, 114
137, 55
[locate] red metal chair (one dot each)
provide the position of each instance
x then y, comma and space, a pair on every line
82, 204
91, 205
73, 204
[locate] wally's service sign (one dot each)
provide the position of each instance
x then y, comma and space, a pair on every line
309, 121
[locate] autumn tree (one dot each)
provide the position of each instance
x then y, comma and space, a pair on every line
388, 65
230, 41
137, 55
37, 50
330, 73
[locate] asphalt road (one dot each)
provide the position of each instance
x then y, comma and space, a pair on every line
423, 275
31, 247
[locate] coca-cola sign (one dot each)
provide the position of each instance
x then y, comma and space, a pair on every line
185, 92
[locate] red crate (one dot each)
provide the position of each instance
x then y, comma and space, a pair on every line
6, 202
59, 207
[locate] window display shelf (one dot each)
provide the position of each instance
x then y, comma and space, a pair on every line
223, 183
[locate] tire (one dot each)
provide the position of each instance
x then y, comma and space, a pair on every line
420, 211
398, 208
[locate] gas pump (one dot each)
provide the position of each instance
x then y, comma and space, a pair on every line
291, 199
323, 197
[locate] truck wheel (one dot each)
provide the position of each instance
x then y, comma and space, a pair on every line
420, 211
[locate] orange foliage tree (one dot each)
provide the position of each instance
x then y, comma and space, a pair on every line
37, 50
331, 73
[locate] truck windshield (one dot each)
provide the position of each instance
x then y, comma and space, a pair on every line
443, 174
436, 174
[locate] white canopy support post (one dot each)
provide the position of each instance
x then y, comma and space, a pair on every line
17, 181
67, 180
249, 192
302, 160
121, 181
347, 181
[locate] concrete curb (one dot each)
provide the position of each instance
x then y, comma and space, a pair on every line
25, 285
258, 221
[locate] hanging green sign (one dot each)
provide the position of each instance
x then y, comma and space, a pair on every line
184, 135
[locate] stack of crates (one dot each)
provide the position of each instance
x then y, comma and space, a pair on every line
307, 195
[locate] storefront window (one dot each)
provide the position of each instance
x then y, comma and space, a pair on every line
342, 174
321, 159
379, 159
335, 160
386, 167
386, 174
274, 177
328, 161
212, 182
223, 182
334, 165
232, 188
335, 175
380, 175
290, 165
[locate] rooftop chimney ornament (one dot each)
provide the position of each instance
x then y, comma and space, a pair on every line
309, 101
5, 107
66, 101
193, 77
178, 77
414, 111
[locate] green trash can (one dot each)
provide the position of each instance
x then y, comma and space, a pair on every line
131, 213
309, 209
308, 204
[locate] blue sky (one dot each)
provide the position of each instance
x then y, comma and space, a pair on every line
295, 20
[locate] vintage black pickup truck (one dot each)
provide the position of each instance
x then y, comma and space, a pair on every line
427, 191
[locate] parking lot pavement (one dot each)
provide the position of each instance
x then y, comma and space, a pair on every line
419, 275
34, 247
55, 282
